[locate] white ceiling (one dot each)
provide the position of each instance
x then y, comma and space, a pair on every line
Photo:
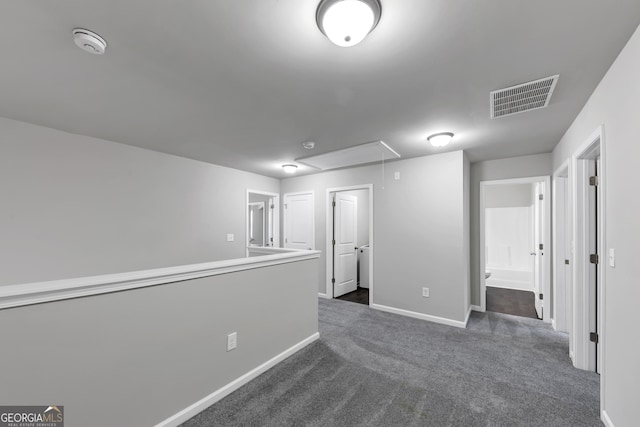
242, 83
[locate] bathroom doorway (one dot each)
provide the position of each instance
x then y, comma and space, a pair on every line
350, 243
514, 239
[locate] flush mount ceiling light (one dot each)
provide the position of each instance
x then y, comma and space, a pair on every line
309, 145
440, 139
89, 41
290, 168
347, 22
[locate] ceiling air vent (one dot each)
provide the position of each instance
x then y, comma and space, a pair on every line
523, 97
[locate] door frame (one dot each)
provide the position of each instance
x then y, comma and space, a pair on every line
546, 262
264, 224
313, 216
329, 232
561, 246
583, 357
276, 220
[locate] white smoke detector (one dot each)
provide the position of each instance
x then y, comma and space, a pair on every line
89, 41
309, 145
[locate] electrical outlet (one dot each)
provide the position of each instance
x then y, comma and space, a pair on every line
232, 341
230, 237
425, 292
396, 176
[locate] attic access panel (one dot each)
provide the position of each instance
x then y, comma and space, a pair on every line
523, 97
369, 152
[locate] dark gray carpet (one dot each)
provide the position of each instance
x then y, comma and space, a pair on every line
371, 368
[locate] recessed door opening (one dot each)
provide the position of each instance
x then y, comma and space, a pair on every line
588, 272
514, 238
350, 244
263, 219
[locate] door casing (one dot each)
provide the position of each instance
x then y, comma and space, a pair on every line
329, 231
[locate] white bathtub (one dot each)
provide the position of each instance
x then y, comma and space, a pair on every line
510, 278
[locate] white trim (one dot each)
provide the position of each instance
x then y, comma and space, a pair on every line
41, 292
466, 318
553, 324
421, 316
546, 282
328, 228
560, 248
199, 406
606, 420
276, 214
323, 296
583, 356
477, 308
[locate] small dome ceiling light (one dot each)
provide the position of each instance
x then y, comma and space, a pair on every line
309, 145
347, 22
440, 139
89, 41
290, 169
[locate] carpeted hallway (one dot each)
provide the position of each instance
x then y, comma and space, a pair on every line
371, 368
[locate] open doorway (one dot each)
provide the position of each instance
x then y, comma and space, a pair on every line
262, 222
350, 243
514, 246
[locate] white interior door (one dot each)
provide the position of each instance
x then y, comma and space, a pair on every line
298, 221
538, 249
345, 251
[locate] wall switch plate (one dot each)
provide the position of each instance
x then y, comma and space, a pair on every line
612, 257
396, 176
232, 341
425, 292
230, 237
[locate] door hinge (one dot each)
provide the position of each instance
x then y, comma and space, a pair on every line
566, 261
540, 196
594, 259
286, 206
333, 242
593, 337
272, 206
541, 296
333, 280
594, 181
333, 204
541, 246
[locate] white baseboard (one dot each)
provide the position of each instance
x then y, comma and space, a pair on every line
325, 296
435, 319
466, 318
204, 403
477, 308
606, 420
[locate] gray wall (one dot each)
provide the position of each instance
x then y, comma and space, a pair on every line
516, 167
363, 215
143, 355
508, 195
614, 104
75, 206
418, 230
